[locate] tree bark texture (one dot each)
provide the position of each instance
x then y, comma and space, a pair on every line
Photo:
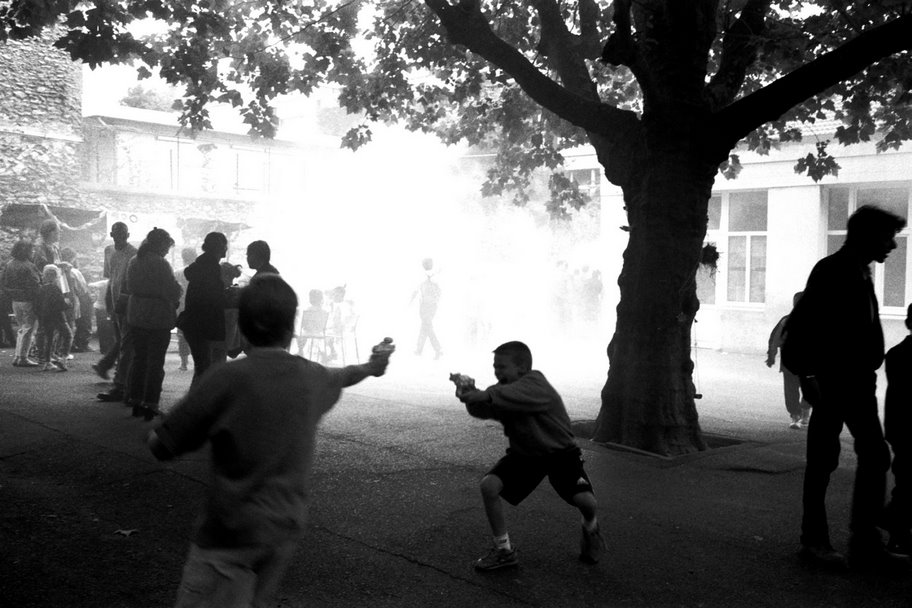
648, 398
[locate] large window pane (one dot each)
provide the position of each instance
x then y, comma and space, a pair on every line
894, 200
895, 275
706, 285
834, 242
747, 211
837, 208
737, 268
714, 213
757, 268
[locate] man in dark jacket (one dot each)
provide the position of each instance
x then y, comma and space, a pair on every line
839, 320
203, 318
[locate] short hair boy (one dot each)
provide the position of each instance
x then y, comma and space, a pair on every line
260, 414
898, 433
541, 444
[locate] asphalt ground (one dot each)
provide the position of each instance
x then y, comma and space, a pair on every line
88, 518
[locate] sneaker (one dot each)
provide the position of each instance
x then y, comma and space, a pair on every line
183, 367
100, 372
113, 395
805, 416
49, 367
61, 365
28, 363
796, 423
591, 545
497, 558
900, 546
824, 556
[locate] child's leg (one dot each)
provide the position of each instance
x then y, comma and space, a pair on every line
491, 487
588, 508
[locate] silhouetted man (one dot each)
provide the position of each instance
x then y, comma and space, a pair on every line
117, 256
838, 323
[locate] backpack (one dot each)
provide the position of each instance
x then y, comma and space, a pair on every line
800, 341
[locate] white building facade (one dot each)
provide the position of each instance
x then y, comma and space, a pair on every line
770, 226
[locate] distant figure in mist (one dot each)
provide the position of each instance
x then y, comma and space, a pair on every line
797, 403
834, 334
428, 294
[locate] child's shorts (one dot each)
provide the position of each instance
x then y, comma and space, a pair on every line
522, 474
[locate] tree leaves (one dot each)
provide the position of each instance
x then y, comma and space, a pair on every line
392, 62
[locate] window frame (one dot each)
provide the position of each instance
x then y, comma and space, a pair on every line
877, 270
721, 237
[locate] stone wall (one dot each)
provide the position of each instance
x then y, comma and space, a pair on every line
40, 124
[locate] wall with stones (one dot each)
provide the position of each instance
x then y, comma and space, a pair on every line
40, 124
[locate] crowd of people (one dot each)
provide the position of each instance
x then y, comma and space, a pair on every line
260, 412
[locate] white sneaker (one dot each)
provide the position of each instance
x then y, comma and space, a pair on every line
795, 424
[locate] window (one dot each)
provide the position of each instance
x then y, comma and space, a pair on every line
891, 279
589, 182
736, 224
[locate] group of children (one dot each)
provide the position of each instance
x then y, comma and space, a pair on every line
260, 414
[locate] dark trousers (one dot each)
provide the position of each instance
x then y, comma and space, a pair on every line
7, 335
794, 401
205, 353
109, 359
120, 354
900, 507
148, 368
845, 399
56, 339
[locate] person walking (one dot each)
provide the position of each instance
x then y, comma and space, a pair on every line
154, 296
796, 401
203, 318
117, 257
834, 334
428, 294
21, 281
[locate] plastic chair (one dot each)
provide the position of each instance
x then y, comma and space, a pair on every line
313, 328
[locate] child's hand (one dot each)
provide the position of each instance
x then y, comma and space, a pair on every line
380, 355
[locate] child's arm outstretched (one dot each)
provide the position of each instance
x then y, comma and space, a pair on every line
375, 366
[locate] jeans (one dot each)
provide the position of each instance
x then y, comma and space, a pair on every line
232, 578
25, 319
54, 339
846, 399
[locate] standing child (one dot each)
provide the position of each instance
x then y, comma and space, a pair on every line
260, 413
52, 309
541, 444
898, 433
796, 400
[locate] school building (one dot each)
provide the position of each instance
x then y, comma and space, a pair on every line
771, 225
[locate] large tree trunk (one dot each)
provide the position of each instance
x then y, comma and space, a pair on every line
648, 399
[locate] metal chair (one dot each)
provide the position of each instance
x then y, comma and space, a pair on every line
339, 334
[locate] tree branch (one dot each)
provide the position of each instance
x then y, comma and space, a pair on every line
562, 49
465, 25
775, 99
739, 51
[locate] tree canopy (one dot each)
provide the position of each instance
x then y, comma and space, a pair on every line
528, 79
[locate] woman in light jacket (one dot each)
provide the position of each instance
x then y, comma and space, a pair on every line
151, 312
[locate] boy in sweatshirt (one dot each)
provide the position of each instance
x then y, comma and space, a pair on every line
541, 444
